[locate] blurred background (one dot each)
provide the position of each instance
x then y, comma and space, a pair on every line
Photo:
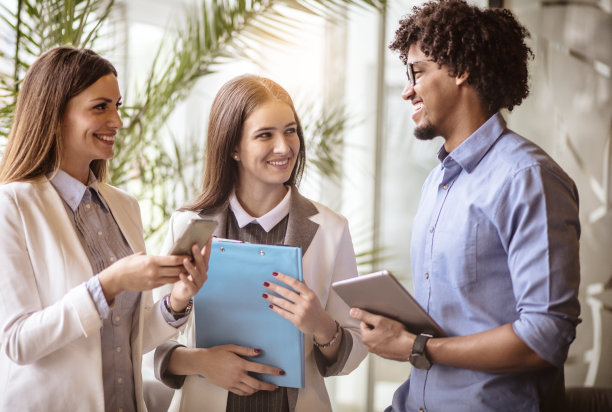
363, 161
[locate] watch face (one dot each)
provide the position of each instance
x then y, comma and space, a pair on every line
420, 361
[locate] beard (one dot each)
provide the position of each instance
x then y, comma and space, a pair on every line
426, 132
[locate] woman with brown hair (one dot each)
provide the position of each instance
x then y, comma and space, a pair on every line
74, 318
255, 156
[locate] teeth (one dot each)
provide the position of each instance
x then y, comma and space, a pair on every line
105, 138
418, 106
279, 162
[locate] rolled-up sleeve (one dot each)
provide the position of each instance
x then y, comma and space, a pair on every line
538, 220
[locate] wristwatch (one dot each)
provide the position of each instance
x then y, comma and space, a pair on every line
181, 314
418, 357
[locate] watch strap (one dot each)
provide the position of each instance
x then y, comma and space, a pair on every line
419, 343
418, 357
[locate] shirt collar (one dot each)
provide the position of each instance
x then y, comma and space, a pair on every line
471, 151
267, 221
72, 190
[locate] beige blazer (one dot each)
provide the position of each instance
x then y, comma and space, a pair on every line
50, 350
328, 256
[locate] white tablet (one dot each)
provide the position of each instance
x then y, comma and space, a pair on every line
382, 294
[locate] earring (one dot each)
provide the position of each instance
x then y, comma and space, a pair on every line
235, 156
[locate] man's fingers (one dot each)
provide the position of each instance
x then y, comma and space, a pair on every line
364, 316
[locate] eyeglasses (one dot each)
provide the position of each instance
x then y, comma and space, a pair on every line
410, 70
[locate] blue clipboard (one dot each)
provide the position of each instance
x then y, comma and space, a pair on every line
229, 308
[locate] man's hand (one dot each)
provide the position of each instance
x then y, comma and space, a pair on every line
497, 350
383, 336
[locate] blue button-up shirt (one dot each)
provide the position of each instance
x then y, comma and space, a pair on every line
495, 241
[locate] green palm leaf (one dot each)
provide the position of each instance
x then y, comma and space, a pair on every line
150, 158
212, 33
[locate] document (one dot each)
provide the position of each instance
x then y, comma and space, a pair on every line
230, 309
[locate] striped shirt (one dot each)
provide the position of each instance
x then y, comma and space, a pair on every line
104, 244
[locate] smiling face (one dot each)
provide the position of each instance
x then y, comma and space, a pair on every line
268, 147
433, 96
89, 126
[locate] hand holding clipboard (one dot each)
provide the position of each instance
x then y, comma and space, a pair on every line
229, 309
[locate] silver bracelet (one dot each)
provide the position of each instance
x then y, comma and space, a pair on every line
331, 342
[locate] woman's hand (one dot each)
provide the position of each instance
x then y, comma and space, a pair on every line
224, 366
139, 272
302, 307
192, 280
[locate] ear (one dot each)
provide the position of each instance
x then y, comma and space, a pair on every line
462, 78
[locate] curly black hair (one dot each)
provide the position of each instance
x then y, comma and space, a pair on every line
488, 44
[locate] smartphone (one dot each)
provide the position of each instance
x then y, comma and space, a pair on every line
197, 231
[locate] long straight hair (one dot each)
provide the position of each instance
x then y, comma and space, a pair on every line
34, 145
233, 104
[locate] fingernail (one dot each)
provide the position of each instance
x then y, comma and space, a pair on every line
257, 350
271, 306
274, 273
282, 373
265, 296
266, 284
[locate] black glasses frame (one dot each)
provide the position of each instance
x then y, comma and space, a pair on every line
410, 70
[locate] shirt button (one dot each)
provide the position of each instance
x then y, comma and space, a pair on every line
426, 275
99, 233
118, 349
120, 409
119, 380
421, 410
87, 206
117, 319
445, 187
431, 229
112, 259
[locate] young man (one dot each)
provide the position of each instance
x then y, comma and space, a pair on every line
495, 241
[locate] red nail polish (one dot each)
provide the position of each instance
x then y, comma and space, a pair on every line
265, 296
257, 350
282, 373
274, 273
271, 306
266, 284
